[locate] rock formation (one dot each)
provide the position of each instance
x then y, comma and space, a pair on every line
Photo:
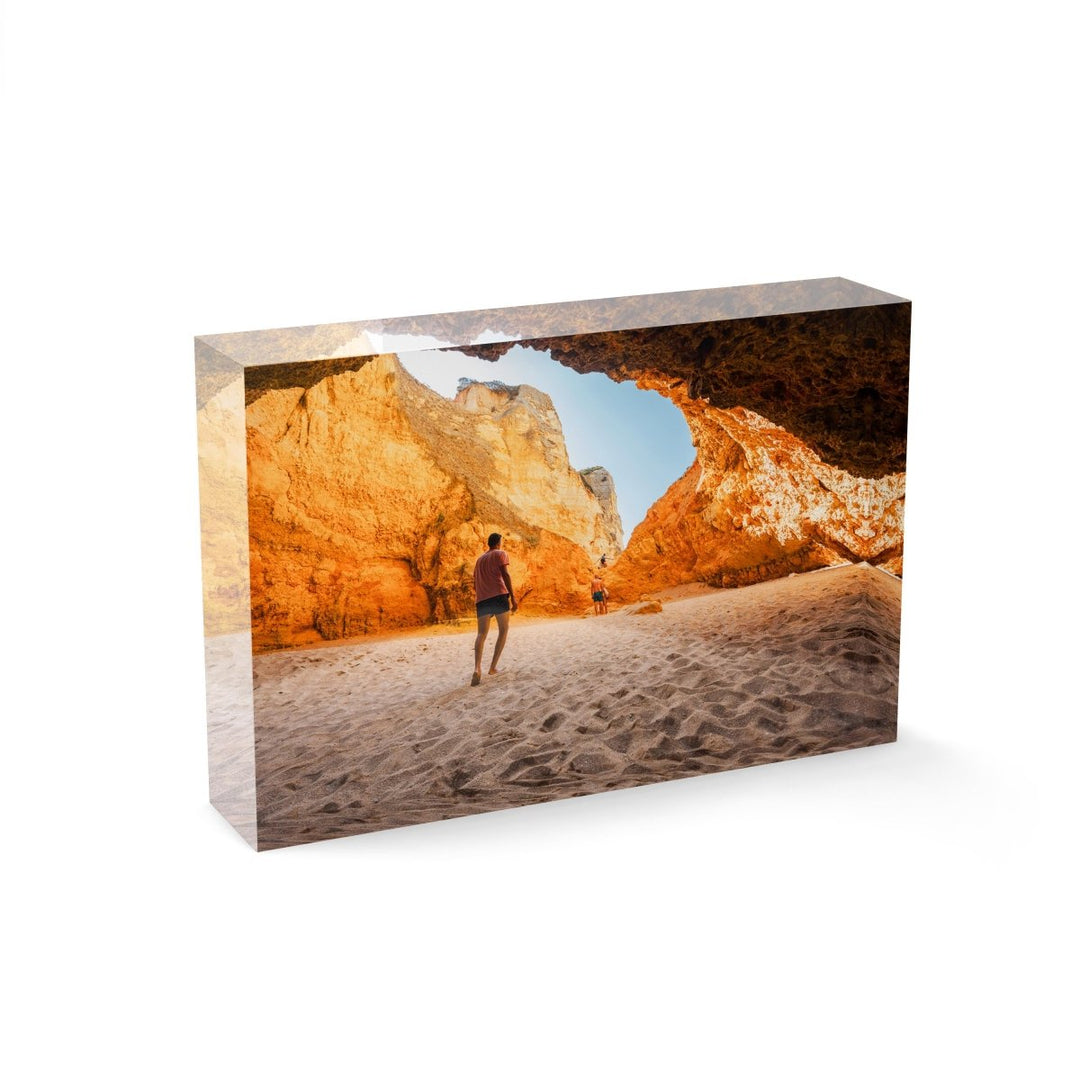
757, 504
370, 498
800, 426
602, 486
835, 379
530, 470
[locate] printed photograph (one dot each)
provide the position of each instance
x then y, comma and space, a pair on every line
501, 574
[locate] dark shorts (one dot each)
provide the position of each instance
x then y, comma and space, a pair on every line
494, 605
598, 597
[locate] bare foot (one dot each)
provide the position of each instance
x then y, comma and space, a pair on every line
475, 679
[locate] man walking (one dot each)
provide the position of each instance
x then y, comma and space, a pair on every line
494, 598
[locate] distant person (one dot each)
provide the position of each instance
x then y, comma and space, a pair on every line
599, 595
494, 598
603, 561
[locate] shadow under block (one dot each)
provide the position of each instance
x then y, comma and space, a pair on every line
343, 506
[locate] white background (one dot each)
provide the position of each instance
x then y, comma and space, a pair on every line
895, 912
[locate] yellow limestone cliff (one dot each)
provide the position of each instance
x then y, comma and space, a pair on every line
371, 497
529, 470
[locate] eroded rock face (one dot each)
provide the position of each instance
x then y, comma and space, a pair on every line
529, 470
371, 497
602, 485
757, 504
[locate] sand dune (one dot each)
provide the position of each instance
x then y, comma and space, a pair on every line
369, 736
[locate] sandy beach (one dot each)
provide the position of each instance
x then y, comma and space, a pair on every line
384, 733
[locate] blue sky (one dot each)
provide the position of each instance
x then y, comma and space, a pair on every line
637, 435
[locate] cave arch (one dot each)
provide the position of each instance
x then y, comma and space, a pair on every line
812, 373
800, 426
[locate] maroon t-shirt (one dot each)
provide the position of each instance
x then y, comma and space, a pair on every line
487, 576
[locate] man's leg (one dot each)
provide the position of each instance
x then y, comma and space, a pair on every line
482, 623
503, 621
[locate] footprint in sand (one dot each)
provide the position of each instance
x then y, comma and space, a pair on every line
766, 723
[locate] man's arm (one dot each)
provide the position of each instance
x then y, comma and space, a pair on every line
509, 587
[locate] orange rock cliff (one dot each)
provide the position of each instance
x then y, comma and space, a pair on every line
371, 497
757, 503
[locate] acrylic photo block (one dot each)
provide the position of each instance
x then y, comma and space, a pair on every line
681, 514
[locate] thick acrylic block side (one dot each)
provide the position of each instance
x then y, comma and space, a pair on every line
223, 499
